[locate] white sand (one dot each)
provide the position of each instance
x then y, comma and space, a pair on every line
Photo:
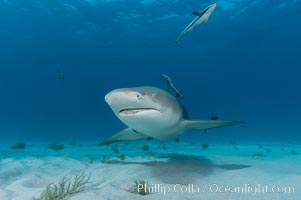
26, 173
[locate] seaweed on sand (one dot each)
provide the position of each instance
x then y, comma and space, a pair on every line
122, 157
105, 159
56, 147
66, 187
18, 145
257, 155
73, 144
205, 146
140, 187
145, 147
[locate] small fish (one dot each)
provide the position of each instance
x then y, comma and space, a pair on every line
173, 87
202, 17
60, 74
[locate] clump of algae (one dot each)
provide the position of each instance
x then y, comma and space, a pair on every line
68, 186
140, 187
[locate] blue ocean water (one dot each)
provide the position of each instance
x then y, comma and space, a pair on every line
244, 64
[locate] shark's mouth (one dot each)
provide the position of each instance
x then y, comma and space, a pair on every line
132, 111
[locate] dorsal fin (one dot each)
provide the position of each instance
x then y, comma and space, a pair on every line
185, 113
198, 13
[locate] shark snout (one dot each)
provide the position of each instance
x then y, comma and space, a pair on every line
107, 98
121, 96
111, 97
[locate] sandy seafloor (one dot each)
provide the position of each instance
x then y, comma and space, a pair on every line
24, 174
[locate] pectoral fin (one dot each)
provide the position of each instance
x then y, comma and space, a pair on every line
124, 135
207, 124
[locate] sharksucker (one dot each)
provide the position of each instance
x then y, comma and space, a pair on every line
201, 17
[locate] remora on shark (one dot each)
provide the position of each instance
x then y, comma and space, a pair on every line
153, 112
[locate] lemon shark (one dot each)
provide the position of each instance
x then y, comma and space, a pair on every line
201, 17
151, 112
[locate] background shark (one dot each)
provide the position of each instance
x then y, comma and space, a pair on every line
202, 17
153, 112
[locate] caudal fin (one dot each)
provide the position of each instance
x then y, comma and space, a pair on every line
207, 124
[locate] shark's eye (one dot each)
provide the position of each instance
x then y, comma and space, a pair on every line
138, 96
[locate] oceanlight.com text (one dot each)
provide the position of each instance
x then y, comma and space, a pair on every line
216, 188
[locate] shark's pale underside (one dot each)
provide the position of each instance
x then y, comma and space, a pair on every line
201, 17
150, 112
